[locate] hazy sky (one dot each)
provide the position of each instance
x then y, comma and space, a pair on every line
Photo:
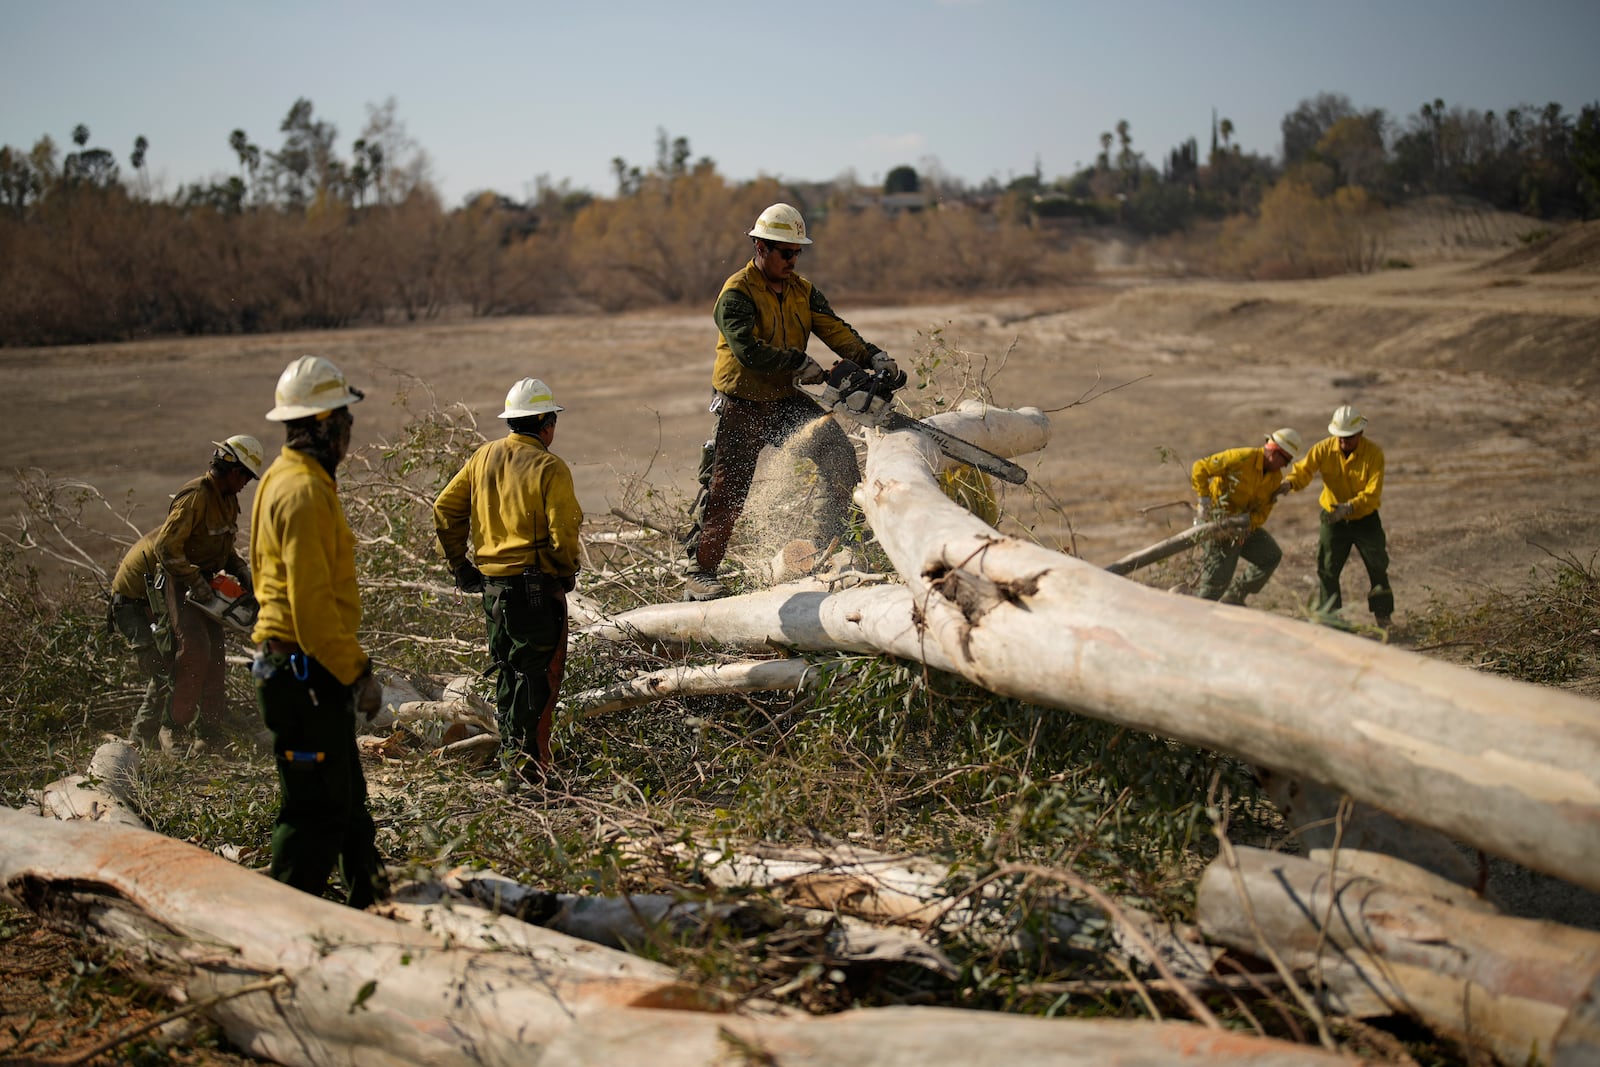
500, 93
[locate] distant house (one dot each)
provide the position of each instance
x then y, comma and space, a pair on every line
893, 204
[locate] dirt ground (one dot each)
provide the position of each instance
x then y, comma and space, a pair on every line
1478, 370
1479, 379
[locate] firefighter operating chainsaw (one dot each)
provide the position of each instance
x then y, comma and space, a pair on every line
767, 315
178, 587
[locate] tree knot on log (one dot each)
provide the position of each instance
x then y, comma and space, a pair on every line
976, 595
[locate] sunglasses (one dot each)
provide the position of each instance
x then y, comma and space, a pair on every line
787, 253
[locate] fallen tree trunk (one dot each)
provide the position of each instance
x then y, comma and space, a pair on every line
103, 794
1511, 768
1319, 817
750, 676
316, 983
915, 891
1485, 978
640, 919
1171, 546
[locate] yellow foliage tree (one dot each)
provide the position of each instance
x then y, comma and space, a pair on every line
674, 240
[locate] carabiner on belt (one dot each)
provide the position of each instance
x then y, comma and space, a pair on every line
300, 665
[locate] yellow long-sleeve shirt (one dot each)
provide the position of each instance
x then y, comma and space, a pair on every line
303, 555
1237, 482
514, 500
1356, 479
194, 542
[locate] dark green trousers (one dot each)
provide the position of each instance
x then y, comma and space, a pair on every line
1220, 559
1366, 536
527, 616
152, 649
323, 818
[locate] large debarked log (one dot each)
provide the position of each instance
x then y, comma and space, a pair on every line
1511, 768
1482, 977
354, 988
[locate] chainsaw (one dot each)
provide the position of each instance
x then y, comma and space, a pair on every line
867, 397
231, 605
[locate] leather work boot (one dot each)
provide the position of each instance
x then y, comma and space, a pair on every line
703, 585
1385, 622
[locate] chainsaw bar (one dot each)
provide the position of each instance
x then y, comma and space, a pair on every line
864, 396
954, 447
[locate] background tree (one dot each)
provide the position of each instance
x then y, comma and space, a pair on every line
305, 165
1354, 147
249, 158
901, 179
93, 167
1304, 126
1586, 158
397, 165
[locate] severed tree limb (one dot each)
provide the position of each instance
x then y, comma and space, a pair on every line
1171, 546
746, 676
103, 794
1487, 978
914, 891
640, 919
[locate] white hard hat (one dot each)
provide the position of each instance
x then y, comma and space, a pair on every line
1347, 422
243, 450
530, 396
309, 386
1287, 440
781, 222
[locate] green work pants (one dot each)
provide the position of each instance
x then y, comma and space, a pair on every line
323, 817
527, 617
150, 637
1220, 559
1366, 536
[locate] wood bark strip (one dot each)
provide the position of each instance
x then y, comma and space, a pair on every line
361, 989
1489, 979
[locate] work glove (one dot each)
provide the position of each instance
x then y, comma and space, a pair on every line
1340, 512
469, 579
810, 373
202, 593
896, 377
1284, 489
568, 583
368, 693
